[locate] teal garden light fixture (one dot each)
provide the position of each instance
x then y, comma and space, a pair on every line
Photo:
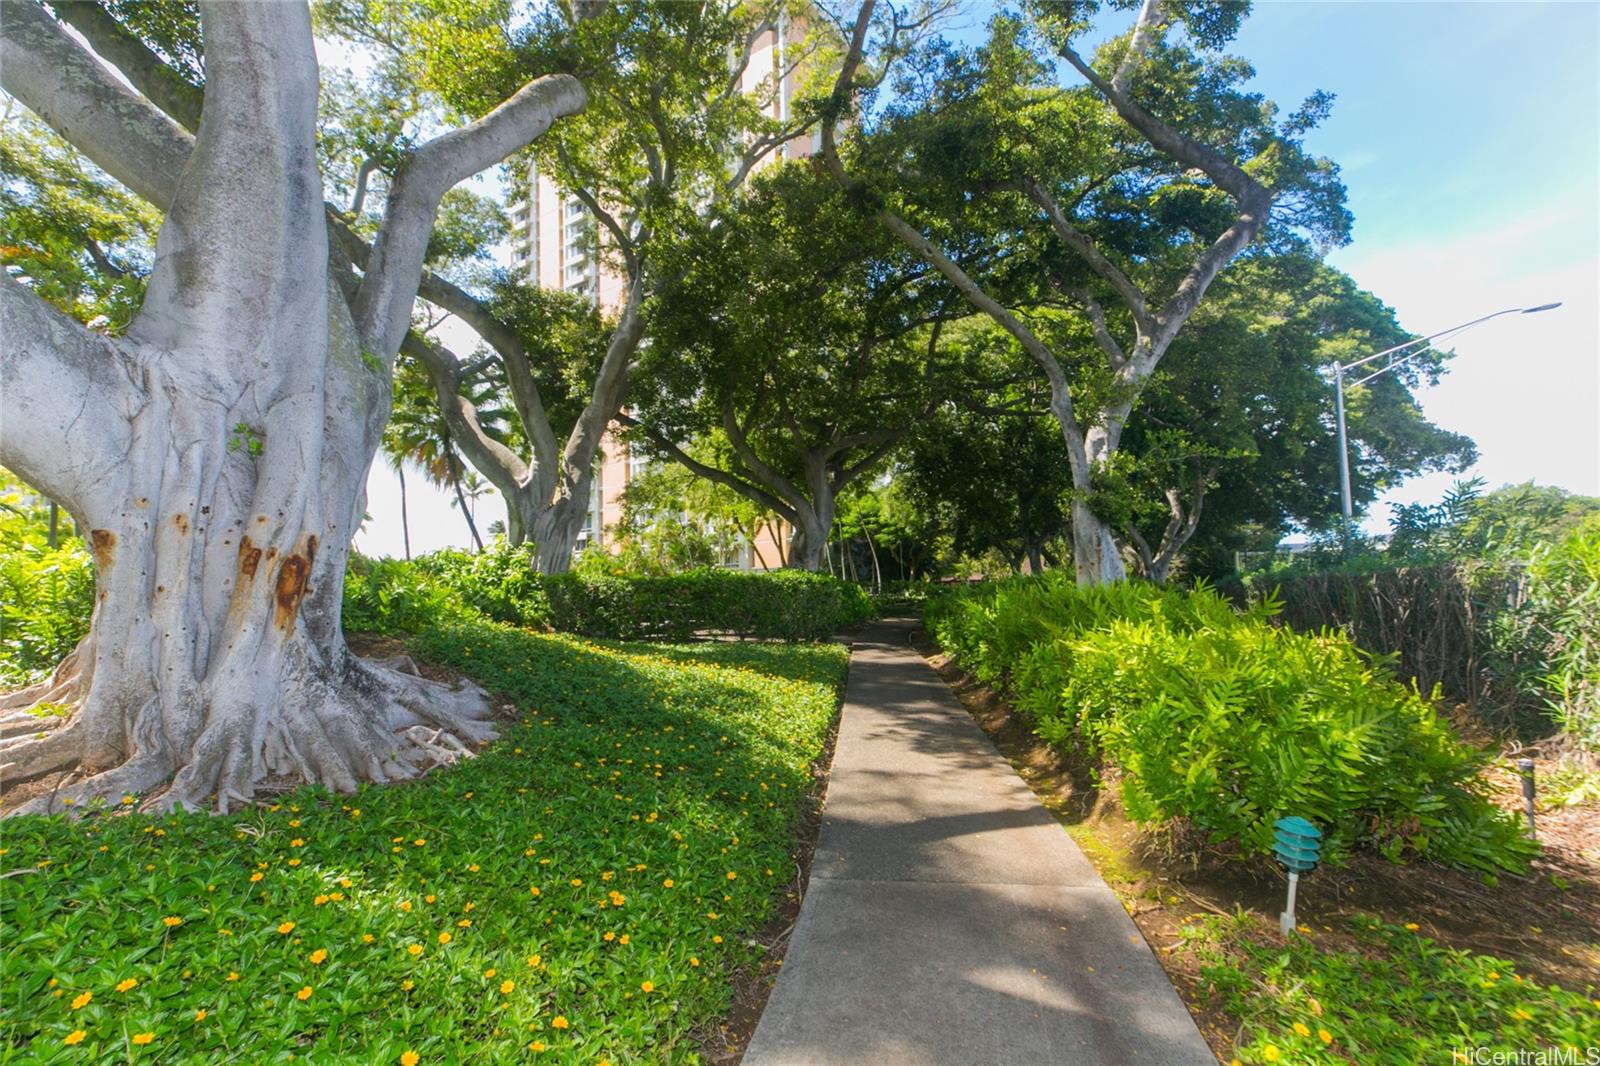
1297, 845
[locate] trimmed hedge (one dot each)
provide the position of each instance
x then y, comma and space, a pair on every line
1223, 722
388, 596
783, 605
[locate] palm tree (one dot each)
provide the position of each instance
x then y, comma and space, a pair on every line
417, 432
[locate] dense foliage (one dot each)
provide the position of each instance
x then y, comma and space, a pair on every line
46, 592
598, 601
1494, 597
1223, 723
585, 886
1392, 996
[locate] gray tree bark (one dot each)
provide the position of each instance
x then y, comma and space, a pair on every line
218, 452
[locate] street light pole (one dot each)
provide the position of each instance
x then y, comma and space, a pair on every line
1340, 369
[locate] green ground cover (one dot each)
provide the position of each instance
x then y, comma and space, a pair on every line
1379, 993
582, 891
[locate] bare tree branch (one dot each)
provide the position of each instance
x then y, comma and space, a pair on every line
162, 85
67, 396
383, 305
494, 460
1081, 243
749, 491
57, 79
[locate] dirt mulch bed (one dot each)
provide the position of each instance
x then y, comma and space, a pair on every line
1547, 922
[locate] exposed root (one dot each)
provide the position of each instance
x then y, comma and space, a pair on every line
370, 721
59, 687
28, 758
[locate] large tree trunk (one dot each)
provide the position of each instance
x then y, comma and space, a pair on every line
553, 527
218, 455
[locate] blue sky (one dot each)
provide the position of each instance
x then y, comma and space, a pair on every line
1469, 136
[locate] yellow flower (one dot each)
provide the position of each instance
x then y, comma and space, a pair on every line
429, 899
533, 890
409, 1058
74, 1037
294, 862
646, 986
200, 1015
303, 994
405, 905
609, 937
408, 984
732, 875
576, 881
716, 940
693, 961
233, 975
415, 949
1324, 1036
489, 972
473, 868
559, 1022
286, 928
464, 923
419, 842
367, 938
123, 986
79, 1002
534, 960
623, 939
667, 883
1412, 926
143, 1038
1521, 1015
258, 875
318, 957
1302, 1029
319, 901
297, 843
506, 987
537, 1045
1270, 1053
445, 938
171, 920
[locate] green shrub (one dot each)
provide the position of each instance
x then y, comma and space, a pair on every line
782, 605
46, 594
1220, 721
392, 597
1564, 595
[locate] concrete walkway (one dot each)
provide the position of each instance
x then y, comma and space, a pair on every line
949, 918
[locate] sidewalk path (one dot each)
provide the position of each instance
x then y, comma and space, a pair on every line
949, 919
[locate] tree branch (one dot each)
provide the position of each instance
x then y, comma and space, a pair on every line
57, 79
162, 85
753, 493
494, 460
383, 305
67, 397
1081, 243
525, 395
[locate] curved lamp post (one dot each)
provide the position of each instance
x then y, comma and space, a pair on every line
1399, 356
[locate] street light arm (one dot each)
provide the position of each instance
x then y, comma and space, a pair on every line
1393, 366
1444, 332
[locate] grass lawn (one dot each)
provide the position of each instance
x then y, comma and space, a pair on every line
579, 892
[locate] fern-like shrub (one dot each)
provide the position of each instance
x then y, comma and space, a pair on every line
1219, 721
